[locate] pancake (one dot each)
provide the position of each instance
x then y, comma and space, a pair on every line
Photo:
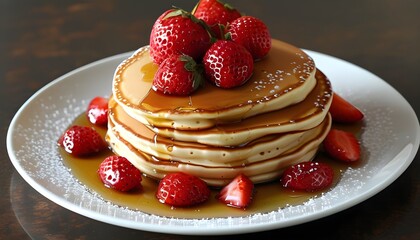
284, 77
305, 115
145, 140
261, 171
276, 119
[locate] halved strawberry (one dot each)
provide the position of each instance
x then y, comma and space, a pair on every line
342, 145
97, 111
182, 190
215, 14
238, 193
81, 141
118, 173
343, 111
308, 176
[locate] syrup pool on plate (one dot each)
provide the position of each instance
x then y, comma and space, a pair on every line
268, 197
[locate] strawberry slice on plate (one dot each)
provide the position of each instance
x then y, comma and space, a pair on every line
343, 111
342, 145
238, 193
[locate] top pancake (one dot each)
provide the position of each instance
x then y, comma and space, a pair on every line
284, 77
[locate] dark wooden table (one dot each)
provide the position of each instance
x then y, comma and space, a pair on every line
42, 40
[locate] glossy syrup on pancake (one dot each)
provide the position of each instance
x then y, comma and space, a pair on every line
305, 115
285, 91
278, 118
282, 78
269, 196
260, 171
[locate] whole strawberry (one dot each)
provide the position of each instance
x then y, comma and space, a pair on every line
178, 32
178, 75
118, 173
308, 176
81, 141
252, 33
228, 64
182, 190
215, 14
97, 111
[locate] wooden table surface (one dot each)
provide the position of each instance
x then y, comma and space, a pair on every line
42, 40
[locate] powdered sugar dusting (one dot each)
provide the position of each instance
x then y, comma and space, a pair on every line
38, 143
39, 125
39, 154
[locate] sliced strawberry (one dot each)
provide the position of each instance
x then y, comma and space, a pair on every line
215, 14
182, 190
97, 111
238, 193
118, 173
228, 64
178, 75
343, 111
342, 145
252, 33
81, 141
308, 176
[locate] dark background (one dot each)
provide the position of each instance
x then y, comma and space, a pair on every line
42, 40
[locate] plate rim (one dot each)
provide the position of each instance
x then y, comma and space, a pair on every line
188, 230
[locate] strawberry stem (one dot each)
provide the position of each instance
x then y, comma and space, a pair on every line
197, 70
227, 6
227, 36
195, 8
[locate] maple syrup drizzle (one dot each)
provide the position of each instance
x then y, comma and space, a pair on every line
268, 196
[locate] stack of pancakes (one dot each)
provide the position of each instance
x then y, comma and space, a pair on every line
278, 118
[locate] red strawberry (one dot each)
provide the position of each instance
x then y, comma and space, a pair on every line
178, 32
97, 111
308, 176
178, 75
251, 33
238, 193
215, 13
182, 190
81, 141
344, 112
228, 64
342, 145
118, 173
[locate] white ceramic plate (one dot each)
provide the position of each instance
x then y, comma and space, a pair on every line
390, 137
